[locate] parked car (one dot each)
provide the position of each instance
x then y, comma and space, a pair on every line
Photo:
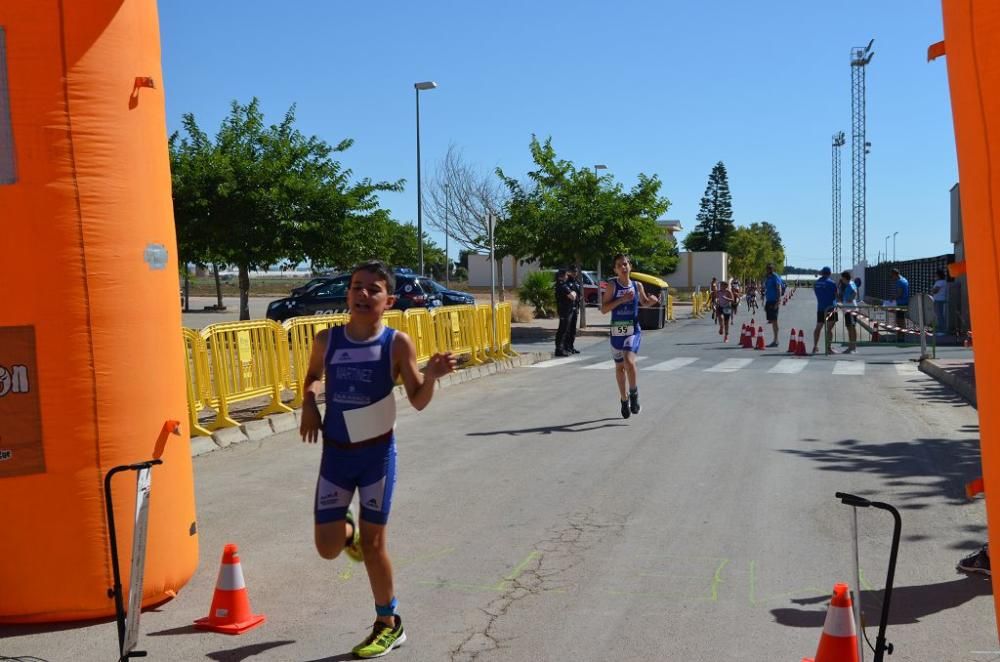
449, 297
415, 291
591, 290
324, 297
302, 289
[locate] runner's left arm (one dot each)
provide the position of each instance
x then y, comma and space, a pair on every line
419, 385
646, 299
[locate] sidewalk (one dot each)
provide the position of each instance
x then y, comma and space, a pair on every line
958, 373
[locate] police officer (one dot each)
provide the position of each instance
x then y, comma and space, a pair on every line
577, 284
565, 305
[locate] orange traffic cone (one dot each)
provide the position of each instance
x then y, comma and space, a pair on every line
800, 348
792, 346
230, 612
760, 338
839, 641
744, 337
974, 488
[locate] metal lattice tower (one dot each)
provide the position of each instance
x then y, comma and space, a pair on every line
860, 57
838, 142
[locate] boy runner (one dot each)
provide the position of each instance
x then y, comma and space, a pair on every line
361, 362
622, 298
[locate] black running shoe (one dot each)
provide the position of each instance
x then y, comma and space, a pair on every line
633, 398
626, 412
978, 562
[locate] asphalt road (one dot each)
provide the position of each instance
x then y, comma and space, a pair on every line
531, 522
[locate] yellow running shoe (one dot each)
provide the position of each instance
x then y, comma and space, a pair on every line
382, 640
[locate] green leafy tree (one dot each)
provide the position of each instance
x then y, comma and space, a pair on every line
564, 215
752, 248
715, 215
260, 195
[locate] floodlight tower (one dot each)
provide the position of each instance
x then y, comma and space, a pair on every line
860, 57
838, 142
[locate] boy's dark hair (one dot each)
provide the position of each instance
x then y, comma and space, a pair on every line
619, 256
380, 269
845, 274
895, 272
941, 274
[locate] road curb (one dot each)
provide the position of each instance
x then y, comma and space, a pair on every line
270, 426
962, 387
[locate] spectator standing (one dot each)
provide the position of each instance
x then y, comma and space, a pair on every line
902, 301
826, 297
564, 306
573, 278
848, 299
772, 300
939, 292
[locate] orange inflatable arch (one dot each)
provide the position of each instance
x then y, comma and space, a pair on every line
972, 52
91, 357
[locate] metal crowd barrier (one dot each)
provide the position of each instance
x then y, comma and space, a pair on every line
199, 379
877, 324
246, 364
237, 361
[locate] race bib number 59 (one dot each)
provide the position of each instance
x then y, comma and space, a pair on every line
621, 328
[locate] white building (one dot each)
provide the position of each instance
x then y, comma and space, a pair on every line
698, 269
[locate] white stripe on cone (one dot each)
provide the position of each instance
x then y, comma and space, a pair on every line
839, 622
230, 577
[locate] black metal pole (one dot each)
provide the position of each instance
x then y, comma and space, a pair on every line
116, 590
882, 647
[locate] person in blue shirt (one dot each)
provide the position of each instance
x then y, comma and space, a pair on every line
902, 300
772, 300
826, 297
848, 299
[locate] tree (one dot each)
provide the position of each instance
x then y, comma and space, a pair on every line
715, 216
753, 248
258, 195
459, 198
564, 215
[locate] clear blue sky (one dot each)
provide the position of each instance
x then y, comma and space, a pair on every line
657, 87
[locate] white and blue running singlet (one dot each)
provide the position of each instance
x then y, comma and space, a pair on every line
625, 322
359, 444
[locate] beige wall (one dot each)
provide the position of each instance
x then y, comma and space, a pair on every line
513, 272
698, 269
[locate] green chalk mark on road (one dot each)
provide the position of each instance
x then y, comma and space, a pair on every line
717, 579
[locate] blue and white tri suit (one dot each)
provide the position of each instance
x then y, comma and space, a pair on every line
625, 329
359, 443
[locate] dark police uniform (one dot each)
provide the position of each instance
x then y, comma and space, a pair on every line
574, 316
564, 307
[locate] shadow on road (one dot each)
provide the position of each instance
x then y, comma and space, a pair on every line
243, 652
549, 429
335, 658
937, 467
909, 603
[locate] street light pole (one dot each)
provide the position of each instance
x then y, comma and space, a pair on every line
426, 85
887, 247
447, 255
599, 166
894, 246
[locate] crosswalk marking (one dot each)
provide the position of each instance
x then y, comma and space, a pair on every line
604, 365
907, 369
672, 364
789, 366
849, 368
554, 362
730, 365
